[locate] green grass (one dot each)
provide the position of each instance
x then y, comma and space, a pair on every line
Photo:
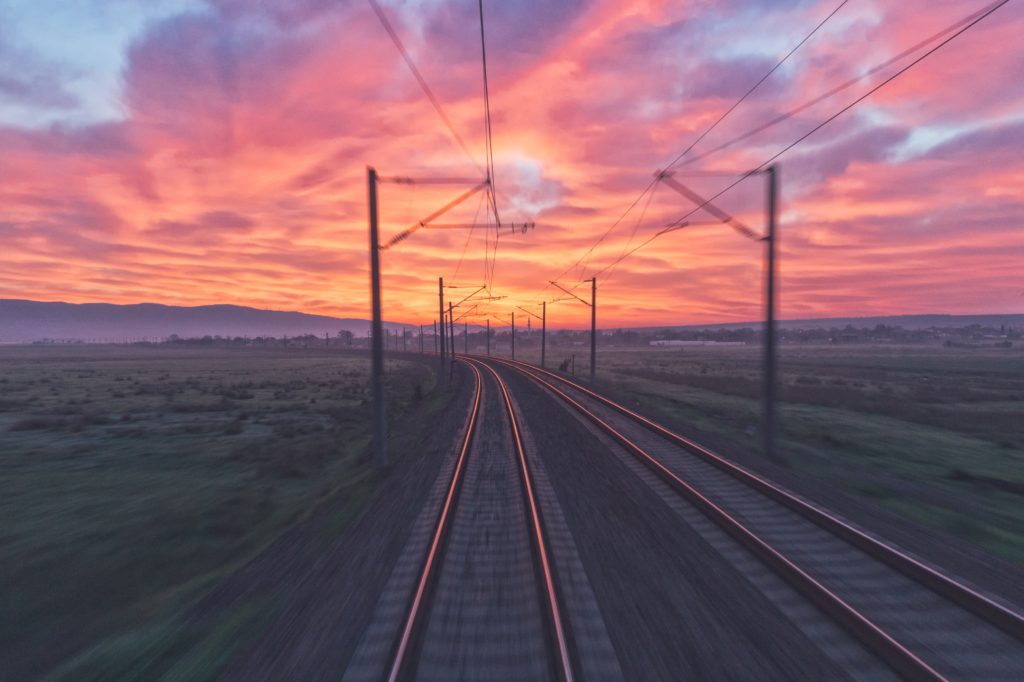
929, 432
134, 479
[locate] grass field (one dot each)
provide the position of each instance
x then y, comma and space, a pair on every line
134, 478
931, 432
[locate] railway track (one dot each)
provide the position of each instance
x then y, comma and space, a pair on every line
922, 623
409, 650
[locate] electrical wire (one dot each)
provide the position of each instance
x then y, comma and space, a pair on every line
756, 85
632, 234
422, 81
469, 236
489, 149
680, 222
700, 137
836, 90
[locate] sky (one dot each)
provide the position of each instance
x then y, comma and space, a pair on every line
192, 152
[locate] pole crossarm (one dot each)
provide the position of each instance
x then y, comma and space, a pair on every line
467, 312
666, 178
450, 226
529, 313
468, 297
586, 303
402, 180
407, 232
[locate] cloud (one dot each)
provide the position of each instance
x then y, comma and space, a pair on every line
237, 172
28, 81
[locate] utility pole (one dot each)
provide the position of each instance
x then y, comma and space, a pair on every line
451, 339
488, 337
543, 332
451, 329
444, 350
593, 321
405, 339
421, 340
593, 327
435, 337
465, 335
769, 417
513, 335
380, 452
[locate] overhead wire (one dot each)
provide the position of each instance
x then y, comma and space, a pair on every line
679, 223
488, 170
422, 81
469, 236
636, 226
756, 85
696, 141
836, 90
489, 152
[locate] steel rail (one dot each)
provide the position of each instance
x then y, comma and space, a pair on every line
896, 655
402, 659
564, 663
1007, 620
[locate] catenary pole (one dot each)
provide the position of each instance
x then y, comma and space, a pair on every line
593, 327
769, 417
441, 339
451, 340
380, 452
543, 332
513, 335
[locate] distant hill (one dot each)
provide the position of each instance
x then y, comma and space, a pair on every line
905, 321
27, 321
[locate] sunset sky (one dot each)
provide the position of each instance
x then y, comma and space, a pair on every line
192, 152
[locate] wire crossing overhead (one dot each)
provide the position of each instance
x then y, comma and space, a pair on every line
407, 232
651, 185
489, 140
951, 33
422, 82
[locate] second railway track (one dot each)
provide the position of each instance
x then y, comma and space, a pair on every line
922, 623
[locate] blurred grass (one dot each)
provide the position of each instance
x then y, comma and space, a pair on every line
136, 478
929, 432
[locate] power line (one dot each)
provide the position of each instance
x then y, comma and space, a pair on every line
489, 143
636, 226
700, 137
756, 85
836, 90
469, 236
422, 82
489, 149
680, 222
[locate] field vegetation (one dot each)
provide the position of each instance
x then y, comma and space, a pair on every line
931, 432
135, 478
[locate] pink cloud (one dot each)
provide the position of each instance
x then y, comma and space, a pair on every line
238, 172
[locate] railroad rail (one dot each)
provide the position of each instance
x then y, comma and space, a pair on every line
922, 623
406, 648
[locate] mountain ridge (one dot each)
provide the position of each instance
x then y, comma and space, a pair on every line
25, 321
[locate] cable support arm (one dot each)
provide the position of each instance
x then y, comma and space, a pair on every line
529, 313
406, 233
666, 177
586, 303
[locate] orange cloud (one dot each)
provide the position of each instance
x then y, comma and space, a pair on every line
237, 173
